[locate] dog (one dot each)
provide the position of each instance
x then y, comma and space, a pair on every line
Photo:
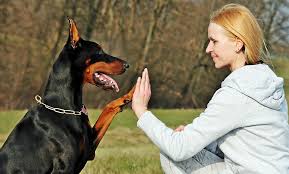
55, 136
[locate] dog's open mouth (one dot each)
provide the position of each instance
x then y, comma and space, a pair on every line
105, 81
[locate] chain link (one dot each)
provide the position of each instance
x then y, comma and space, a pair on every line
57, 110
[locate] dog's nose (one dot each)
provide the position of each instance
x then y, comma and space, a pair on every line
126, 65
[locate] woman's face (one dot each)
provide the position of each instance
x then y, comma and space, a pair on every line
221, 48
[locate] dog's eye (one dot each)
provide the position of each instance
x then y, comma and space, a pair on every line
87, 61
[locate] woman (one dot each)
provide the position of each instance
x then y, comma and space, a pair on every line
244, 128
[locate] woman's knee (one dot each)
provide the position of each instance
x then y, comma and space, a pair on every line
165, 162
202, 160
170, 166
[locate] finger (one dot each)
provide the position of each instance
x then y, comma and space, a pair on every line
176, 130
146, 80
180, 128
137, 87
147, 71
142, 83
149, 84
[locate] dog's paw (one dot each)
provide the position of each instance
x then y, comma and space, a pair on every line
128, 97
122, 101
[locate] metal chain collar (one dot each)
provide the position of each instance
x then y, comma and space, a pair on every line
57, 110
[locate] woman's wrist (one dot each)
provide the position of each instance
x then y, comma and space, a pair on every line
140, 112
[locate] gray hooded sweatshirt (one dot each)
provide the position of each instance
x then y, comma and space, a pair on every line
247, 119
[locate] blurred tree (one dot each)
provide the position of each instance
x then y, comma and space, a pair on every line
167, 36
275, 17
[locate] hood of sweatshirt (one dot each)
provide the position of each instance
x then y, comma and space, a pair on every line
258, 82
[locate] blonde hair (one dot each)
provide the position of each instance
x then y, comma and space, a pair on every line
240, 23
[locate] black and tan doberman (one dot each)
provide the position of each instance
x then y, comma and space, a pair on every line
55, 136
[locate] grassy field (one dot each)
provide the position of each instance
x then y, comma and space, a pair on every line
124, 148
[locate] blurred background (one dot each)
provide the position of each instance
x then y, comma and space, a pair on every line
167, 36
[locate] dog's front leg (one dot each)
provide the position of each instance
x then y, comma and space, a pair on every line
107, 116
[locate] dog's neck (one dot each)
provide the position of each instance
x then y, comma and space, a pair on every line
64, 88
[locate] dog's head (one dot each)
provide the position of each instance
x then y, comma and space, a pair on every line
92, 62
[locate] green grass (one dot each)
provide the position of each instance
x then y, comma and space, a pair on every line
124, 148
8, 121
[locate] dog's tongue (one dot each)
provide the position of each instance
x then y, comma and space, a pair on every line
107, 82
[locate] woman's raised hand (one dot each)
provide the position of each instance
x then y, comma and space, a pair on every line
141, 94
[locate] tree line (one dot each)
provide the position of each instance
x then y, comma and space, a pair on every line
167, 36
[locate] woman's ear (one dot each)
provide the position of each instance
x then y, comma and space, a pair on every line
239, 45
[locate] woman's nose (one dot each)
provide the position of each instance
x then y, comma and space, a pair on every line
209, 48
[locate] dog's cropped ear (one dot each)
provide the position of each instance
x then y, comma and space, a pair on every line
73, 34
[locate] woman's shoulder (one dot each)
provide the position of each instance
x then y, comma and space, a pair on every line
258, 69
258, 82
251, 76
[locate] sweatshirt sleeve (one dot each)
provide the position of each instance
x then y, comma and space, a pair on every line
223, 114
